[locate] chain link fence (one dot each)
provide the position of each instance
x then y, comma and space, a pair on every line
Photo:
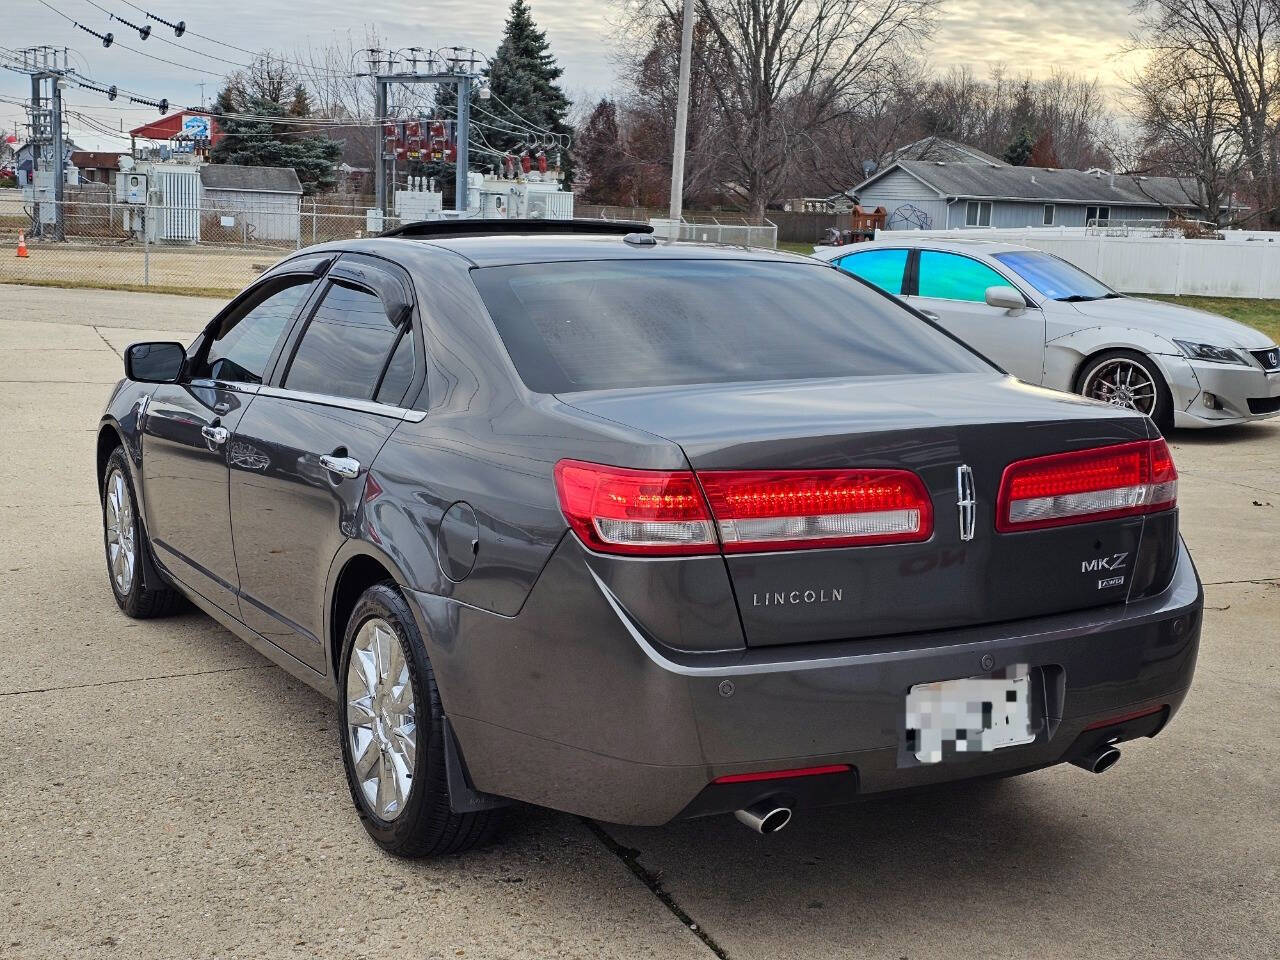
217, 247
736, 232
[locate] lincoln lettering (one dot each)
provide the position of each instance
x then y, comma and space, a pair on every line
785, 597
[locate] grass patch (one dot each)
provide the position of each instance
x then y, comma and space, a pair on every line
790, 246
221, 293
1262, 315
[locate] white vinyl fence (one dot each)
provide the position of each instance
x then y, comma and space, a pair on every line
1243, 265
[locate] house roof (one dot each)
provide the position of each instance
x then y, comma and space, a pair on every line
940, 148
166, 128
981, 181
231, 176
96, 160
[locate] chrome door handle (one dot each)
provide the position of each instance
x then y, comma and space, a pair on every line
215, 434
342, 466
929, 314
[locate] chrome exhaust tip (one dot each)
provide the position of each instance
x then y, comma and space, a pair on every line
764, 817
1098, 761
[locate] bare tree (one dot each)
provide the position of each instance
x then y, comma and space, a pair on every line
1230, 51
1185, 116
339, 92
779, 70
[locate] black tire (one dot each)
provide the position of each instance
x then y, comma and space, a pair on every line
1162, 413
136, 597
426, 824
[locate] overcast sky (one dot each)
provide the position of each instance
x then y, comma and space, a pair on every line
1027, 35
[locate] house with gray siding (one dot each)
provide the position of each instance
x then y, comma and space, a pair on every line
944, 195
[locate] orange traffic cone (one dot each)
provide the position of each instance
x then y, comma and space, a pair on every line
22, 244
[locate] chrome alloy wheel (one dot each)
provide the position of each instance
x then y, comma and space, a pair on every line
380, 718
1122, 383
122, 551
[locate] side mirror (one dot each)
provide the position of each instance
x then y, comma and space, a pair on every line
158, 362
1006, 298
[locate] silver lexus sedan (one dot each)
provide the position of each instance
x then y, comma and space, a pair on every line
1048, 322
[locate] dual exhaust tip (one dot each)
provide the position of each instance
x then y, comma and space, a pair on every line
770, 816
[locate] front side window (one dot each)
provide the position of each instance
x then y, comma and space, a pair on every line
607, 324
1055, 278
883, 268
345, 347
244, 342
977, 213
949, 276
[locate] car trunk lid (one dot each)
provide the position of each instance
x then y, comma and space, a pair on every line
934, 427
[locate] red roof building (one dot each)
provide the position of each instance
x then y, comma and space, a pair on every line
176, 125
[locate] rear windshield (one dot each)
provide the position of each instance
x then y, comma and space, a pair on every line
598, 325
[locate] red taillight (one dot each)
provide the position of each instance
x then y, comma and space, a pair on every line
759, 510
617, 510
663, 512
1086, 485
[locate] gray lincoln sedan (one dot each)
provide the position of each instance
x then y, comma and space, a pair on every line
645, 531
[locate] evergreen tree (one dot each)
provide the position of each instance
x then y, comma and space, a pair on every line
1018, 153
522, 77
268, 89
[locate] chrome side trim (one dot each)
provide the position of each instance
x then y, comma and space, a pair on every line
345, 403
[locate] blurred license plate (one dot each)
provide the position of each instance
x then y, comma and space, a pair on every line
975, 715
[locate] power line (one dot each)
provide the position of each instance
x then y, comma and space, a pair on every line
181, 27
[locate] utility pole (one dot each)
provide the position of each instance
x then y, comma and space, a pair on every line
45, 64
682, 118
457, 72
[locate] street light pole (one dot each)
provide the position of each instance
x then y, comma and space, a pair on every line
682, 117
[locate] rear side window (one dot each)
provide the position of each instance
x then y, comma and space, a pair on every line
948, 276
243, 345
346, 345
604, 324
883, 268
399, 371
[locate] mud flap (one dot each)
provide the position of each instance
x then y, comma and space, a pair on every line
463, 797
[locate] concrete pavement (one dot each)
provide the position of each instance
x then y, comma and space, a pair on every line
166, 792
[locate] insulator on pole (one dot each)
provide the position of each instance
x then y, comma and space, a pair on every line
178, 28
106, 38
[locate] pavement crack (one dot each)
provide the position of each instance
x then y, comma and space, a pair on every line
1228, 583
110, 683
105, 340
631, 858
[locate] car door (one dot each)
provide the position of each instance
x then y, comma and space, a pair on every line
951, 288
187, 429
883, 267
305, 446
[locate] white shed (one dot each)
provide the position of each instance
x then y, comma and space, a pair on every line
249, 204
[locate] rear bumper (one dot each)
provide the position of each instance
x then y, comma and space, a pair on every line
568, 705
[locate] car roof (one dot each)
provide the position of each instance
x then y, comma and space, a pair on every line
507, 249
919, 240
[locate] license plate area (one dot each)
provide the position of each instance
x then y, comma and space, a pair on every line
954, 719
